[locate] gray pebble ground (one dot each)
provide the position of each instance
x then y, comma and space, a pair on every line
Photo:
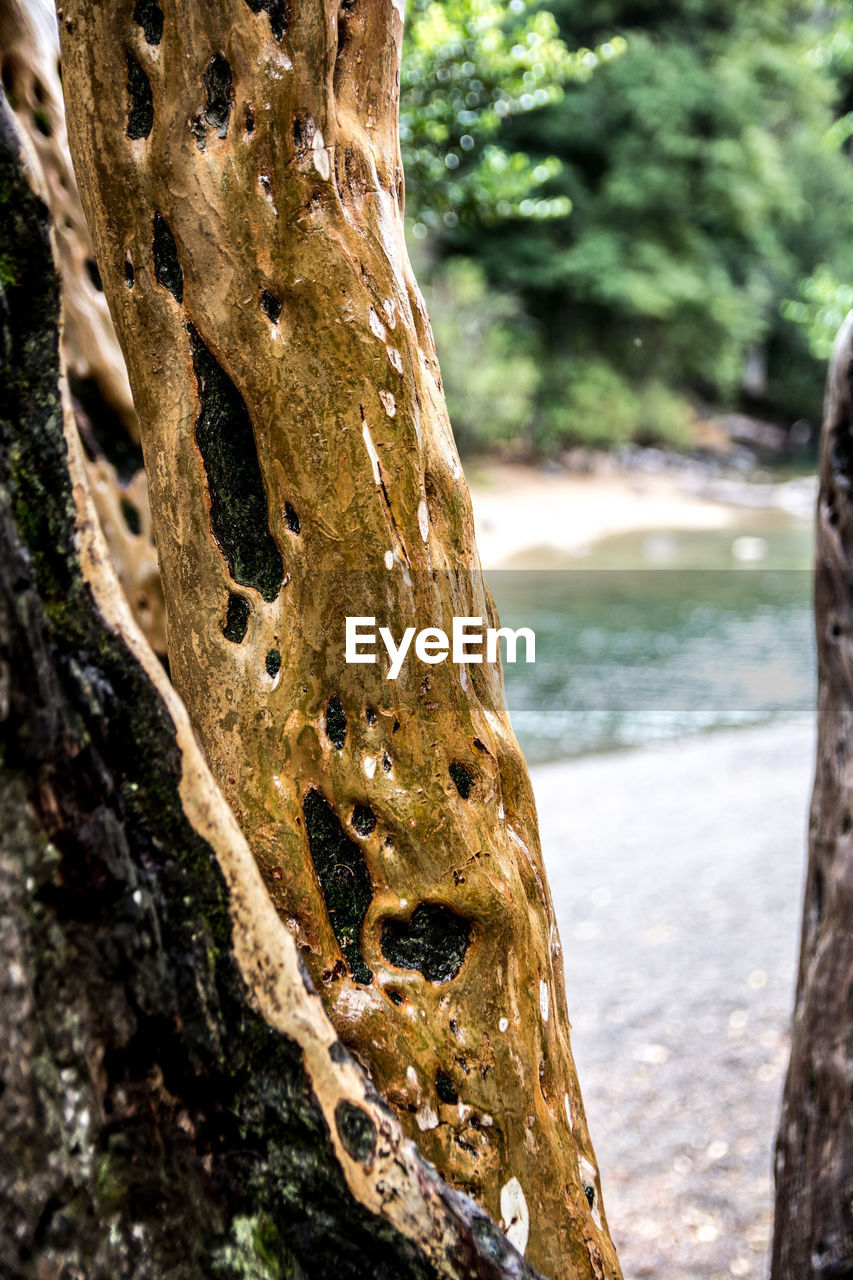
677, 878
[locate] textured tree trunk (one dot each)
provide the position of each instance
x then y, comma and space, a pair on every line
29, 54
813, 1234
173, 1099
239, 164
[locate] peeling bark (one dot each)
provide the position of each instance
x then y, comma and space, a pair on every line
245, 162
813, 1234
174, 1100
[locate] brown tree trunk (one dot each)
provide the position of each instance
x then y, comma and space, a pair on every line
813, 1235
173, 1099
239, 164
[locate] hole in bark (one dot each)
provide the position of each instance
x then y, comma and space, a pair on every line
836, 631
277, 11
433, 940
129, 274
250, 120
336, 723
386, 763
846, 824
219, 89
343, 877
370, 716
444, 1088
271, 305
41, 122
589, 1192
345, 10
363, 819
357, 1131
102, 431
141, 115
167, 268
395, 998
94, 275
298, 136
273, 662
462, 778
239, 516
291, 519
236, 619
131, 516
149, 16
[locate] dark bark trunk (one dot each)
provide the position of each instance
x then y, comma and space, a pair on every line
154, 1123
813, 1235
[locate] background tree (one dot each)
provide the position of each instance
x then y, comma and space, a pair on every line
813, 1234
302, 468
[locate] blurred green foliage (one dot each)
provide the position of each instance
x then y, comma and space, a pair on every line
704, 149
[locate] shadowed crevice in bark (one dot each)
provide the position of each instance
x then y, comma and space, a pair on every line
149, 16
239, 516
433, 940
278, 13
344, 880
140, 118
462, 779
219, 90
336, 723
167, 266
237, 619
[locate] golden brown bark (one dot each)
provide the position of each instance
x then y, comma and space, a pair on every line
240, 167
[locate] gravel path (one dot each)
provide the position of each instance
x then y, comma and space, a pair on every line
677, 876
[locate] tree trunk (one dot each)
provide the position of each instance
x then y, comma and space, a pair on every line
239, 164
813, 1234
29, 54
173, 1098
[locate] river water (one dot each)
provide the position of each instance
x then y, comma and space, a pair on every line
661, 636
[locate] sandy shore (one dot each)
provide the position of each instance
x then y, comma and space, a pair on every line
524, 514
676, 874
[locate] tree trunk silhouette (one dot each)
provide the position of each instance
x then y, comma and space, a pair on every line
813, 1235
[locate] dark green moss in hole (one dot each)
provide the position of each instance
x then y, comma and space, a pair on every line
129, 274
271, 305
344, 880
357, 1131
433, 940
236, 619
219, 91
41, 122
277, 11
336, 723
444, 1088
462, 779
363, 819
131, 516
140, 118
239, 515
167, 268
149, 16
291, 519
94, 275
273, 662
